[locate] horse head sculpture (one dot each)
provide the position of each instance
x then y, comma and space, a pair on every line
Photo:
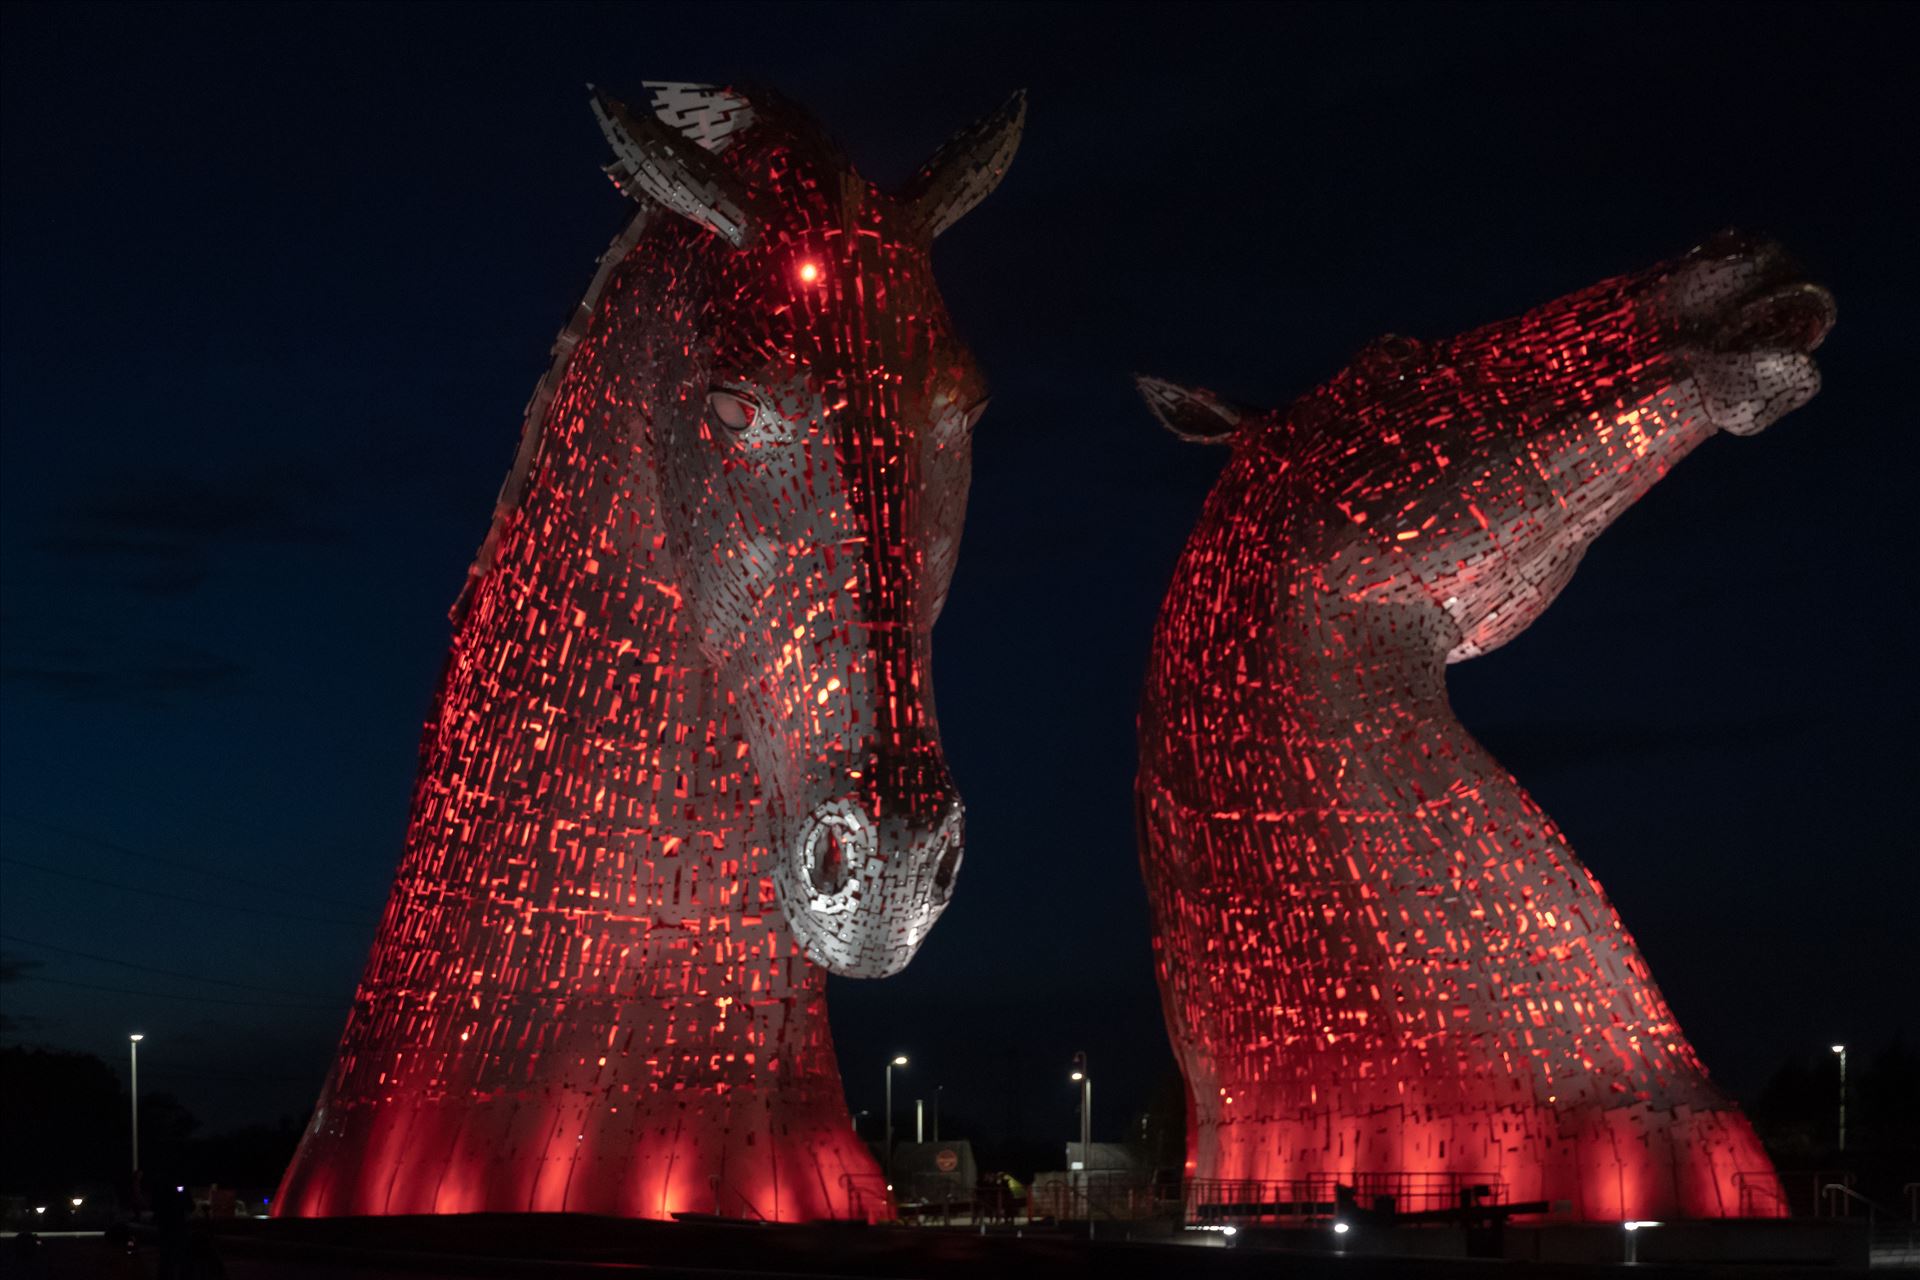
684, 760
811, 431
1380, 959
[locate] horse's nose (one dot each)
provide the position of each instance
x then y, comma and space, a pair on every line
863, 893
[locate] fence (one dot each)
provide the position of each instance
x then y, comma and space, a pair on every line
1115, 1195
1219, 1201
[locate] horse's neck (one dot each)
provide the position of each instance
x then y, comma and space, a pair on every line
576, 711
1255, 662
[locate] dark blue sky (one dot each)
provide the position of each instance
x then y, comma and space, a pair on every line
277, 281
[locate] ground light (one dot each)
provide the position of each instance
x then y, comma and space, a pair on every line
1633, 1230
1340, 1230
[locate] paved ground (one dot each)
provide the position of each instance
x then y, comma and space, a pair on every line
506, 1246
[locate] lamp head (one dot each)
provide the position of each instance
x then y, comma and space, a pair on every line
900, 1060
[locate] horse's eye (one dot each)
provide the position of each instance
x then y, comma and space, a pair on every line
734, 411
973, 414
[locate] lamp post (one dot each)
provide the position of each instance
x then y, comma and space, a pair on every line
1840, 1051
1085, 1081
133, 1051
898, 1060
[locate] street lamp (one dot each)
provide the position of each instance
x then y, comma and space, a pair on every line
133, 1051
1081, 1078
1840, 1050
898, 1060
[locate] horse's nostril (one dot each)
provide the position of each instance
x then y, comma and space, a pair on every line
944, 870
952, 845
836, 847
1795, 317
829, 870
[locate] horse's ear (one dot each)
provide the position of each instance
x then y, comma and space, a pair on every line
653, 160
1190, 413
966, 168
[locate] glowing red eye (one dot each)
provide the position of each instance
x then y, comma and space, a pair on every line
734, 411
809, 272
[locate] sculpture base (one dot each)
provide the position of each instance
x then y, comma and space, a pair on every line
744, 1157
1588, 1164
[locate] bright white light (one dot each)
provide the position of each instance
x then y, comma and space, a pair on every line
76, 1202
900, 1061
136, 1037
1635, 1226
1341, 1228
39, 1208
1229, 1231
1839, 1048
1078, 1076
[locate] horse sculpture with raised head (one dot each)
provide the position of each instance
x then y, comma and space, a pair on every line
1380, 962
683, 761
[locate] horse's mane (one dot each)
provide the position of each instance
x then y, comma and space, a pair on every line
707, 115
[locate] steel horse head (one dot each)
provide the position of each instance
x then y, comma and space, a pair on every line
812, 437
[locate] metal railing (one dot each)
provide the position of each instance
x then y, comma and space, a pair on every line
1216, 1201
868, 1198
1762, 1195
1837, 1200
1116, 1195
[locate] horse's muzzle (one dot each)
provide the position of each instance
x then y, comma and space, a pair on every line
861, 895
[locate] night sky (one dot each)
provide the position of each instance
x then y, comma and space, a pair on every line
278, 280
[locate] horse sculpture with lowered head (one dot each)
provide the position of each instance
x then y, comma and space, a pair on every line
683, 761
1381, 963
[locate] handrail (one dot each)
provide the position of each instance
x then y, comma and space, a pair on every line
716, 1183
1851, 1194
1317, 1196
857, 1196
1748, 1182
